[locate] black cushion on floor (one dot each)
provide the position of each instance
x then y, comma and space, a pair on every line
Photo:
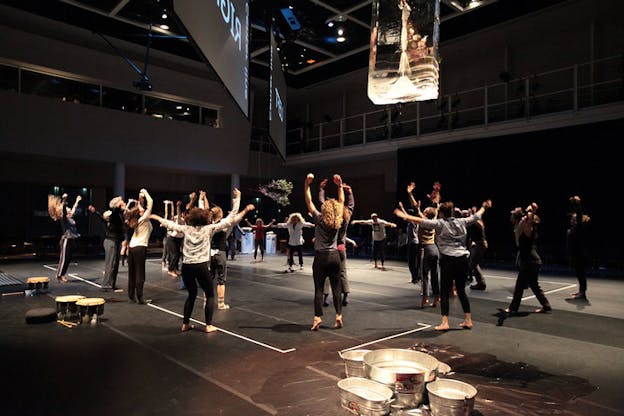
40, 315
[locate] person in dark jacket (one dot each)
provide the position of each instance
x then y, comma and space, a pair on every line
114, 234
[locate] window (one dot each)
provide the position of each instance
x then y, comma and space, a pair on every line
8, 78
56, 87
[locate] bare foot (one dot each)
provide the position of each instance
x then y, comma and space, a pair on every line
442, 327
62, 279
187, 327
466, 325
211, 328
338, 323
316, 323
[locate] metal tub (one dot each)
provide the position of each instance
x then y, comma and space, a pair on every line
451, 397
365, 397
405, 371
354, 362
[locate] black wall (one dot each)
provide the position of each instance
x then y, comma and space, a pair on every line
546, 167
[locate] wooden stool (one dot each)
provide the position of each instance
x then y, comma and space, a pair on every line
66, 306
90, 308
37, 284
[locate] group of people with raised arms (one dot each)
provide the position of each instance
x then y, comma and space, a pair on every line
439, 234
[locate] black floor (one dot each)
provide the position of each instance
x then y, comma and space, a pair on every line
266, 361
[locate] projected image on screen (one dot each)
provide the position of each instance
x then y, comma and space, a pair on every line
277, 101
221, 32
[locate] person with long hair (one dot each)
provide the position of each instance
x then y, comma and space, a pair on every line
454, 266
347, 212
295, 225
198, 232
138, 220
58, 210
259, 231
528, 259
326, 257
114, 234
378, 227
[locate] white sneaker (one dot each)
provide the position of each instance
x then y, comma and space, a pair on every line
223, 306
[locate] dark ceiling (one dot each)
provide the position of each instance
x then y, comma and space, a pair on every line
309, 55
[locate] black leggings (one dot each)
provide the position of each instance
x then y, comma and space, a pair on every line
527, 276
136, 271
291, 253
66, 248
326, 264
192, 274
453, 269
261, 244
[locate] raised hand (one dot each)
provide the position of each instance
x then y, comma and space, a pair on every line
236, 193
323, 183
411, 187
337, 180
309, 179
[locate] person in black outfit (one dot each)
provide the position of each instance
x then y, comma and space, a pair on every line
478, 245
326, 257
529, 261
576, 237
114, 225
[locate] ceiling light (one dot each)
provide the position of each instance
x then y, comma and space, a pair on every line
340, 39
310, 61
178, 107
165, 27
474, 3
340, 31
164, 15
330, 24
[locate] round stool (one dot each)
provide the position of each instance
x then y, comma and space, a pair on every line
66, 306
37, 284
90, 308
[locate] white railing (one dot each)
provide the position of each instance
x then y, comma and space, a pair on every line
565, 89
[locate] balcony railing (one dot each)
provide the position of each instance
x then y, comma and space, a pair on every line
73, 88
566, 89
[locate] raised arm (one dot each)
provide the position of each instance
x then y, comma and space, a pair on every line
341, 193
350, 203
78, 199
150, 204
405, 216
193, 198
321, 194
168, 224
232, 218
92, 210
307, 194
203, 200
410, 189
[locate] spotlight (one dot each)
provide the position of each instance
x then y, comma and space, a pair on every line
340, 39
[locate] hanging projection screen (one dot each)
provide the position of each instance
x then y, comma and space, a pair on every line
220, 30
277, 101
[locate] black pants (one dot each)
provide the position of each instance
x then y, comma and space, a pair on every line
477, 250
453, 269
430, 259
326, 264
259, 244
344, 282
527, 276
413, 255
66, 248
136, 271
174, 247
218, 267
194, 274
291, 253
578, 260
379, 251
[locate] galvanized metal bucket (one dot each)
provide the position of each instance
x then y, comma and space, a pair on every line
354, 362
365, 397
405, 371
451, 397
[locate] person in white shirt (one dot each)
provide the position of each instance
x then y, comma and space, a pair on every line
198, 232
379, 236
295, 225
